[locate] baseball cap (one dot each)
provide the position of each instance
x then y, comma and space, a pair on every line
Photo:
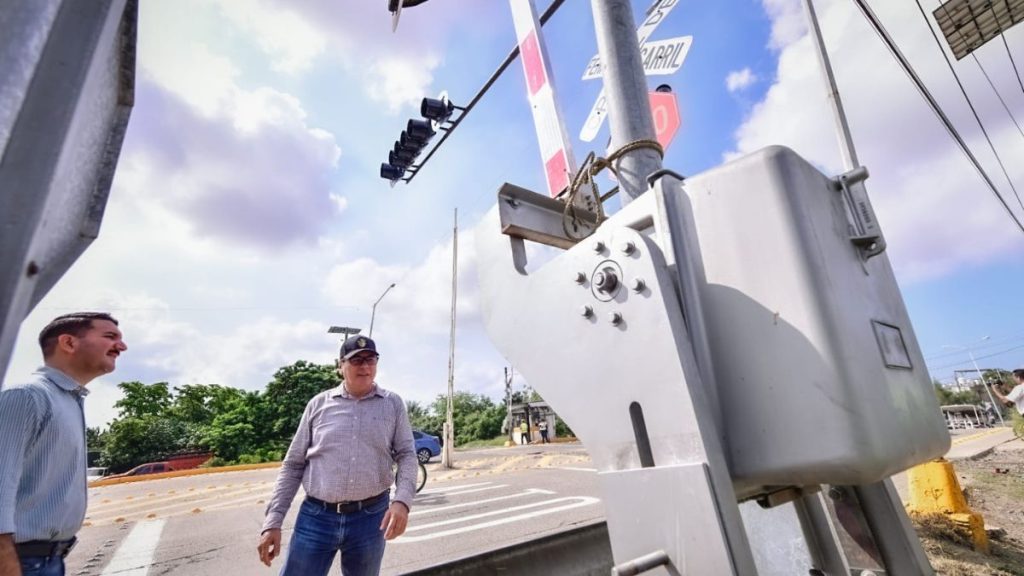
357, 344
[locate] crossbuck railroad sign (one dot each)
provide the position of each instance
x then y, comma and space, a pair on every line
659, 58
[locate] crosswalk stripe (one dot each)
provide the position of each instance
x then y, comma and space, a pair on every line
135, 554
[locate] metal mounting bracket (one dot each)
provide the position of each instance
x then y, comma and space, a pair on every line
866, 234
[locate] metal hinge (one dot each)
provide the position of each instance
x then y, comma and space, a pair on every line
865, 232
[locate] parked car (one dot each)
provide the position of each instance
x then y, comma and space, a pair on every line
427, 446
147, 468
95, 473
185, 461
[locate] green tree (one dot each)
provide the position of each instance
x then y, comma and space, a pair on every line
948, 397
94, 439
423, 418
132, 441
233, 434
140, 400
201, 403
475, 416
288, 393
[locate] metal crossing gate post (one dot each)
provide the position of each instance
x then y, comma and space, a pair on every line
67, 82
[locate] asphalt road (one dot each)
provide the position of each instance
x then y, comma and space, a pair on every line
209, 524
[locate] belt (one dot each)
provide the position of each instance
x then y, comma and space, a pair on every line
349, 507
45, 548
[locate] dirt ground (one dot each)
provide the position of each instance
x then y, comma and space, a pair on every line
994, 487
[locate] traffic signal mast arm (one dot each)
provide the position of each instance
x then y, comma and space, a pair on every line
412, 169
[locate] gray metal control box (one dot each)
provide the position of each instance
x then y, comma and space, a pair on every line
819, 377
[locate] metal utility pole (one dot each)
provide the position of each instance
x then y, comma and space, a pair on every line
508, 405
845, 139
629, 112
970, 352
449, 432
997, 407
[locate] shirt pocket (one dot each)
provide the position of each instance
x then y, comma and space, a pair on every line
383, 420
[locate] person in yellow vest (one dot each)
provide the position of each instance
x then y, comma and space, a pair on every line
524, 432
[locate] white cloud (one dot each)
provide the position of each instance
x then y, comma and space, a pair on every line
935, 211
400, 81
284, 35
788, 21
740, 80
223, 161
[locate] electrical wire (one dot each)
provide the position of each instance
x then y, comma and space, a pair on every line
883, 34
970, 103
998, 95
1002, 34
976, 358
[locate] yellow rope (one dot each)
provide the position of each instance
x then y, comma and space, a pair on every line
592, 166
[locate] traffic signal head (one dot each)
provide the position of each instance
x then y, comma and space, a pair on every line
391, 172
436, 109
422, 130
401, 157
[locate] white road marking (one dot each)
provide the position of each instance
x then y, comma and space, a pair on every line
451, 488
478, 502
460, 492
580, 501
135, 554
574, 469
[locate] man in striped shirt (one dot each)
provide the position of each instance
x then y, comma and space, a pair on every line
42, 444
342, 454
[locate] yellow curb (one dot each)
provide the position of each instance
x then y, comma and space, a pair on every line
180, 473
976, 435
934, 489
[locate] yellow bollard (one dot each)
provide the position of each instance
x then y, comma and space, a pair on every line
934, 489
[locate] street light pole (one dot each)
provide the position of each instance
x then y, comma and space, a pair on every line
373, 312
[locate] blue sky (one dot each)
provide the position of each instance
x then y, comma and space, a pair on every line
247, 215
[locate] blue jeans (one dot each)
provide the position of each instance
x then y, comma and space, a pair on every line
42, 566
320, 533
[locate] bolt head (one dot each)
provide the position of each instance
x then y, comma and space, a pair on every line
615, 318
586, 311
639, 285
598, 246
627, 248
580, 278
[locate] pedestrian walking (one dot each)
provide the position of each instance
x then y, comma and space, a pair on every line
342, 454
543, 428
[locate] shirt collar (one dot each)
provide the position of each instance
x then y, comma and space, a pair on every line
341, 391
62, 380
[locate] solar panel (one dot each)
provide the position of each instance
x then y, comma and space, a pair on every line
968, 24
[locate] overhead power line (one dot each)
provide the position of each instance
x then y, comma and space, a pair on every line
1012, 63
970, 103
883, 34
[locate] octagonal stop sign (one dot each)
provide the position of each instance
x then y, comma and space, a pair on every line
665, 112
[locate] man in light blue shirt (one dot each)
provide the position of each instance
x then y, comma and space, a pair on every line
42, 444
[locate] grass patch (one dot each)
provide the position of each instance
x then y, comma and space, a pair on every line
497, 441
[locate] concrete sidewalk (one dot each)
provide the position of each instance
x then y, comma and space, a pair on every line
980, 443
